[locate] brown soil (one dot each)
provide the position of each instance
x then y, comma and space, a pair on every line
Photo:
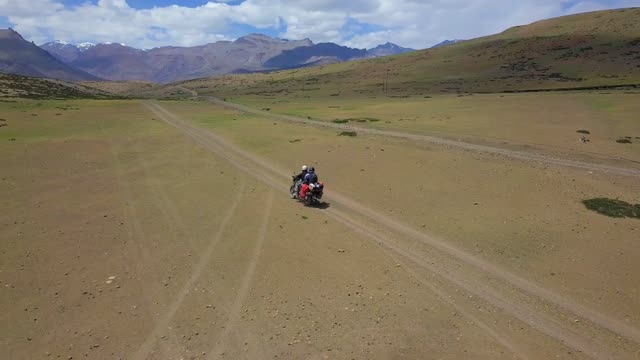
139, 240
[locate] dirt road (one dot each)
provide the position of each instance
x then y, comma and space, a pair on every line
135, 232
588, 332
520, 155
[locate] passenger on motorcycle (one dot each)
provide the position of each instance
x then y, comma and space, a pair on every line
299, 179
309, 178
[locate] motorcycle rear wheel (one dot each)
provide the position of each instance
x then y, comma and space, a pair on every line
310, 200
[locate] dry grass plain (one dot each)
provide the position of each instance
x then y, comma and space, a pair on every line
521, 206
532, 121
103, 191
210, 259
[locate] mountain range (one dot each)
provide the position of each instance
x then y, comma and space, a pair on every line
251, 53
589, 51
18, 56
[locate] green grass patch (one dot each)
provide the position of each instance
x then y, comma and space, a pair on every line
602, 104
613, 207
348, 133
215, 121
35, 121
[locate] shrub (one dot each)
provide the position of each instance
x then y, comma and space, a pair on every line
613, 207
348, 133
583, 131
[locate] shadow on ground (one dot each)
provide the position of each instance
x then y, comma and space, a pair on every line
323, 205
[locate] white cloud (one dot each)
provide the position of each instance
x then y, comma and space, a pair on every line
584, 6
411, 23
27, 8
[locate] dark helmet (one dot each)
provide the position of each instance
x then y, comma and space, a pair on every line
311, 169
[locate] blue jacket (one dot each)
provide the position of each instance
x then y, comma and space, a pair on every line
310, 178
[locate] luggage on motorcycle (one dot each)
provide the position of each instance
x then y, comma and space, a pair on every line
315, 190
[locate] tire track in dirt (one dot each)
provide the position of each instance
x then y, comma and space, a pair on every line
247, 279
505, 341
527, 286
215, 144
196, 135
519, 155
134, 229
604, 321
192, 92
161, 326
165, 205
171, 216
523, 312
530, 290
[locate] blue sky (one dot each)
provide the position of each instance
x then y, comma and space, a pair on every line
356, 23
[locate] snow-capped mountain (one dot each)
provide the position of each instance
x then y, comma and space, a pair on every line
65, 51
19, 56
250, 53
85, 46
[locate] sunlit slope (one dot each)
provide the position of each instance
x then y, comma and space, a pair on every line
17, 86
585, 50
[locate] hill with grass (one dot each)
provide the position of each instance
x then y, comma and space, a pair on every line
589, 50
17, 86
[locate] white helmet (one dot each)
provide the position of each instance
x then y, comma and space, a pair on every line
304, 167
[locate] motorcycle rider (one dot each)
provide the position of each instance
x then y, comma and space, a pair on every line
310, 178
299, 179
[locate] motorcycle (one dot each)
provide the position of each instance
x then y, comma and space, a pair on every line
313, 195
